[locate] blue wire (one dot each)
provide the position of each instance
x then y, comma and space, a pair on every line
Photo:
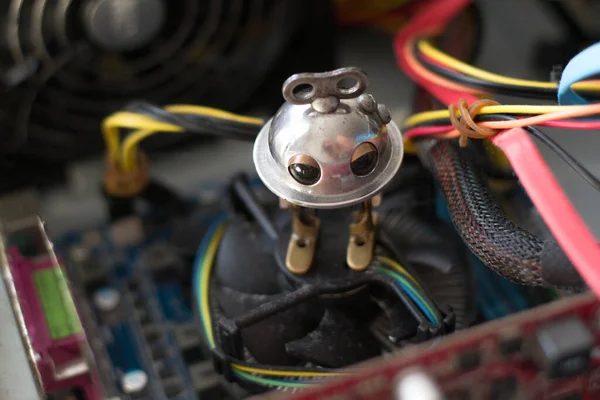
582, 66
418, 302
410, 291
284, 382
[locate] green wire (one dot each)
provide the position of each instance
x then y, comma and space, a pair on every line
302, 385
410, 287
271, 382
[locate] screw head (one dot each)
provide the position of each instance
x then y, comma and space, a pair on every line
384, 113
367, 103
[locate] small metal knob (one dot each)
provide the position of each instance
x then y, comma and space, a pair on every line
324, 90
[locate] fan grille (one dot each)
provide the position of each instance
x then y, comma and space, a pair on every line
214, 52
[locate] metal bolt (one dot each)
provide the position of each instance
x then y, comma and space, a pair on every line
326, 105
367, 103
384, 113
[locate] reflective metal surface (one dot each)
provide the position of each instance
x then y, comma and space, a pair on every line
124, 25
330, 137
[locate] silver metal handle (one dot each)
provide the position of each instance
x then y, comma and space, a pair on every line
306, 87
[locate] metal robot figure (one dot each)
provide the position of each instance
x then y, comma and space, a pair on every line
331, 145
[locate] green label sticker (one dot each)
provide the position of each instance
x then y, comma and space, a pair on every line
59, 310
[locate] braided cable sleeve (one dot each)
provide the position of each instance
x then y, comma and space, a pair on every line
504, 247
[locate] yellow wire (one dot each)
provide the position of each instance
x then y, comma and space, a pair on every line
207, 265
112, 125
426, 47
128, 155
396, 265
130, 146
389, 262
287, 373
215, 113
427, 116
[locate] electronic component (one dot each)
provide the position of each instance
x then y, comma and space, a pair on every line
343, 257
53, 326
134, 383
562, 348
557, 341
416, 384
17, 355
136, 306
327, 154
469, 359
510, 345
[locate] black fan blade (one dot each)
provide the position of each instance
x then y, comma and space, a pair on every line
337, 342
437, 255
266, 340
245, 260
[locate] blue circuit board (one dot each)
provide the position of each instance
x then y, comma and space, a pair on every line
137, 312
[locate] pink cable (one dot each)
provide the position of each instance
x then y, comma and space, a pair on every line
570, 124
419, 131
578, 243
427, 131
571, 233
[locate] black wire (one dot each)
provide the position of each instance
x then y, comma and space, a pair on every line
555, 147
386, 241
494, 87
498, 88
477, 16
198, 124
538, 134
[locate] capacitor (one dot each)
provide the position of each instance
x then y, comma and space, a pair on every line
107, 299
134, 382
417, 384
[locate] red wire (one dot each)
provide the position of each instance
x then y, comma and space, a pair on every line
569, 124
578, 243
436, 130
427, 131
571, 233
430, 19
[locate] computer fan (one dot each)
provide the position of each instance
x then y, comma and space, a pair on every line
66, 64
349, 322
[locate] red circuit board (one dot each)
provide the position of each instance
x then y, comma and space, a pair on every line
479, 363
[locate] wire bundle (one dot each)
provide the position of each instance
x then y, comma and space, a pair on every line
410, 285
449, 72
270, 376
512, 125
495, 118
147, 120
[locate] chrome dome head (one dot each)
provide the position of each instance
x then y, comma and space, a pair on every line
328, 146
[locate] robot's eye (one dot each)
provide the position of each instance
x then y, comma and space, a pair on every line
364, 159
304, 169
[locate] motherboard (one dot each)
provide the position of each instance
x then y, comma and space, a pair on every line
135, 316
347, 251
